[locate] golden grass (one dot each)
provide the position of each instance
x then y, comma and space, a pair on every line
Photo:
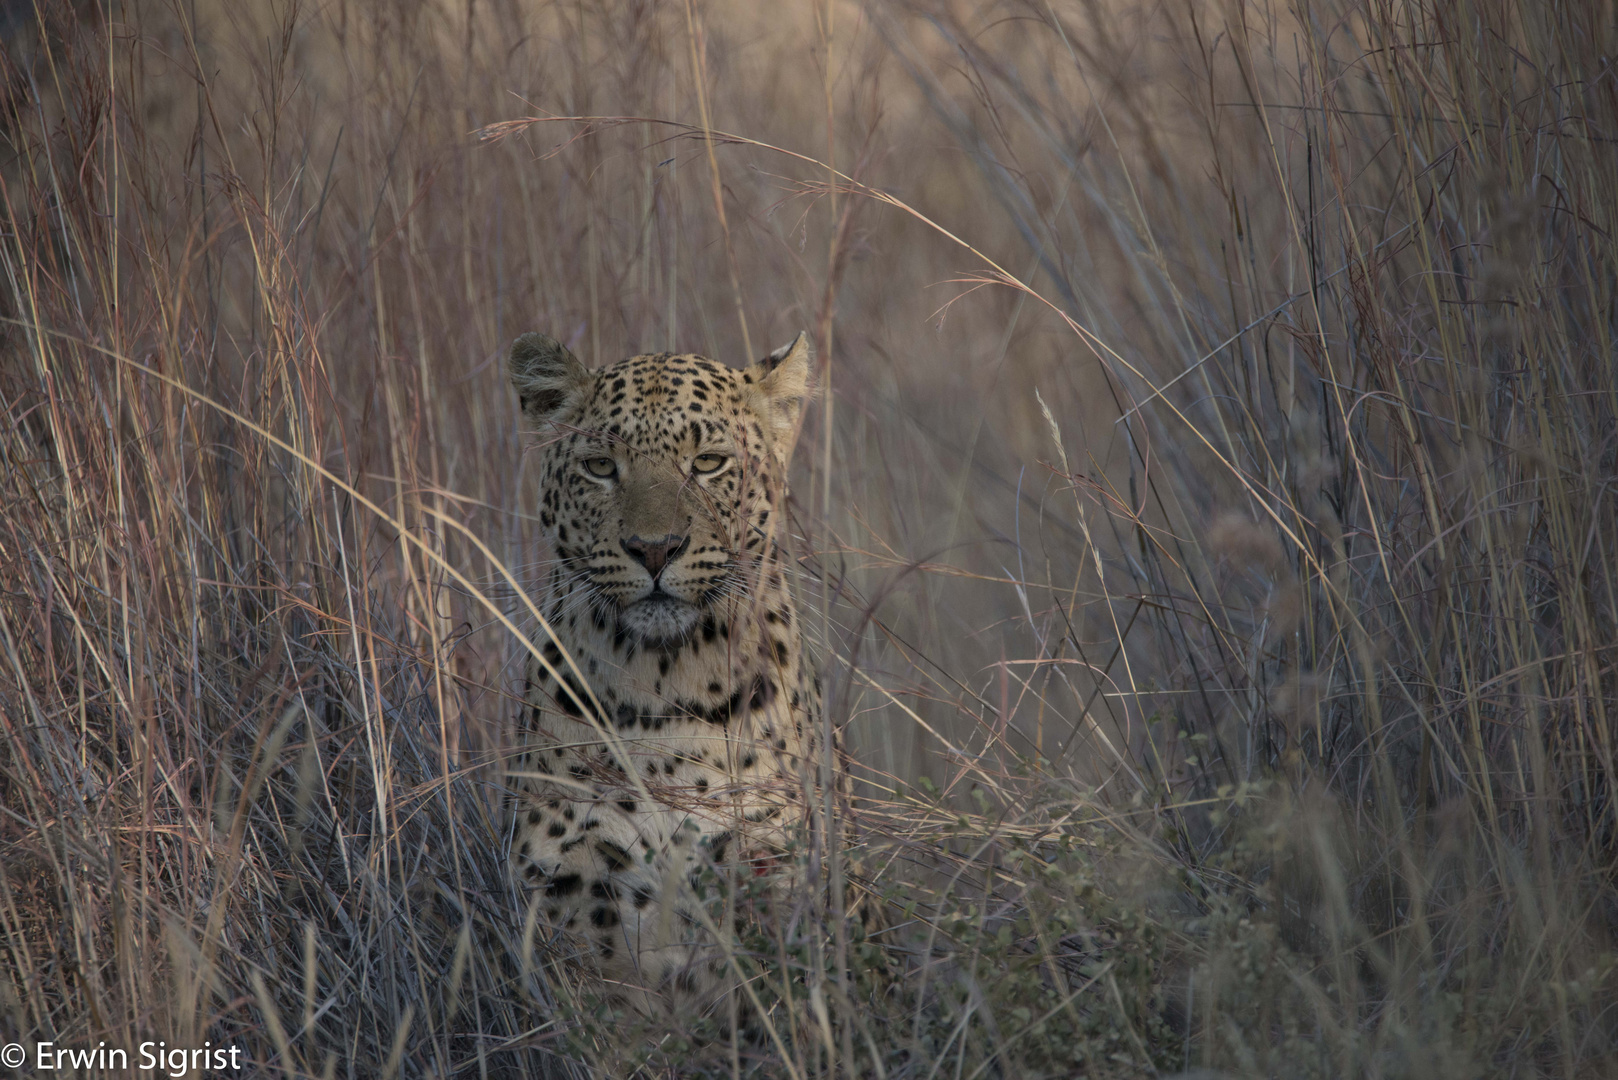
1209, 518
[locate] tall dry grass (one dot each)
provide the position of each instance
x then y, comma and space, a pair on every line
1209, 516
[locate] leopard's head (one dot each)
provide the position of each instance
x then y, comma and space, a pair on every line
661, 477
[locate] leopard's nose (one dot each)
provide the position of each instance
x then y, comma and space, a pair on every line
656, 553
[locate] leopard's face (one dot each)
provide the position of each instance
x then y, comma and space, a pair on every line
661, 480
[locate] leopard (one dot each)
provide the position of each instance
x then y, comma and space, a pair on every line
671, 717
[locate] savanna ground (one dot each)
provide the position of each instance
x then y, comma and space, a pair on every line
1208, 515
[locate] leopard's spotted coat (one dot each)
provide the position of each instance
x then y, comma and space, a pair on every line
671, 708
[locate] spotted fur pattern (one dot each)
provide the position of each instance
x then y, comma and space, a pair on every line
670, 708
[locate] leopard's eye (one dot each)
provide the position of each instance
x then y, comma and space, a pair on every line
602, 467
707, 463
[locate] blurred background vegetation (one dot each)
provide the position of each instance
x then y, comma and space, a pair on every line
1209, 515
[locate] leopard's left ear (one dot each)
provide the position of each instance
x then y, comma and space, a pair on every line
782, 379
549, 379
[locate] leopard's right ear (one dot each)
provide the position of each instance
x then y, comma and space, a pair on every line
548, 377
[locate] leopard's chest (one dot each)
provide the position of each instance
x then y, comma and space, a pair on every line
703, 718
703, 746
